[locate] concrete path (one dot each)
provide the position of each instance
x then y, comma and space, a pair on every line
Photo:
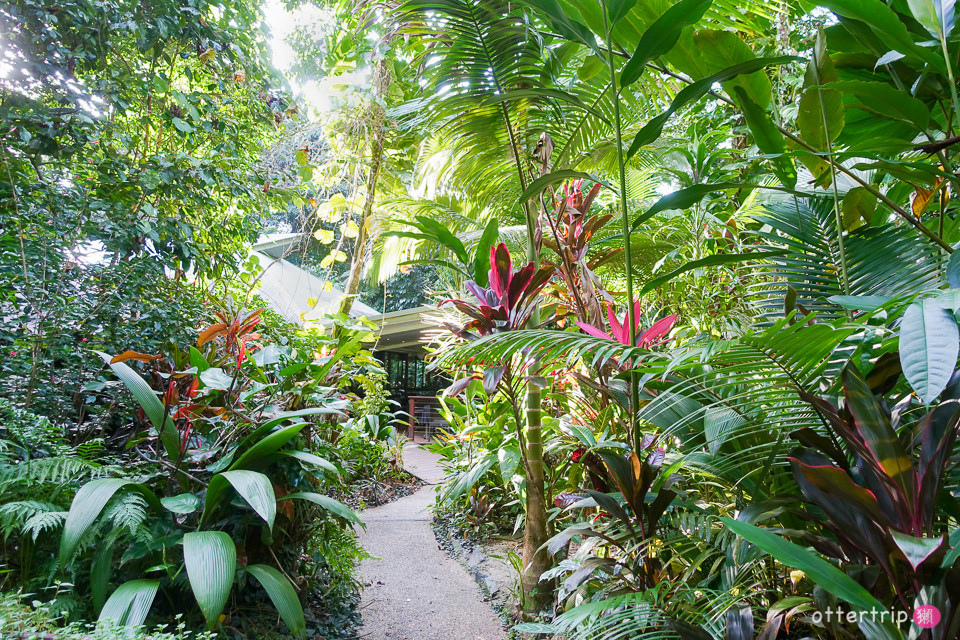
415, 591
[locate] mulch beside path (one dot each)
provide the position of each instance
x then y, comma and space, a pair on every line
413, 590
367, 494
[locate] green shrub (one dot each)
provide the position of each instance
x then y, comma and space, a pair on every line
22, 619
376, 398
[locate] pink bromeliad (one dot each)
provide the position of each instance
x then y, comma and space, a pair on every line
620, 331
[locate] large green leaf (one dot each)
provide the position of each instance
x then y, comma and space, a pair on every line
683, 199
861, 303
282, 417
553, 178
617, 9
211, 561
886, 24
660, 36
283, 596
197, 360
334, 506
693, 92
886, 101
821, 117
254, 487
929, 344
314, 459
150, 403
100, 570
181, 504
952, 271
767, 136
216, 378
716, 50
824, 574
858, 208
444, 236
937, 16
481, 260
267, 446
87, 506
129, 604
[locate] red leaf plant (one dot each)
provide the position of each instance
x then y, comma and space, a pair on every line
506, 305
509, 301
620, 331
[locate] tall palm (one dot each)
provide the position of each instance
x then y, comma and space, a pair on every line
477, 55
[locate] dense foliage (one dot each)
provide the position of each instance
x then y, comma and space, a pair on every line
695, 267
704, 426
159, 426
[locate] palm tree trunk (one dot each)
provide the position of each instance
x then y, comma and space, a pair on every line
536, 560
535, 532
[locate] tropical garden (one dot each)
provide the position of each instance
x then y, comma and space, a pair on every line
693, 288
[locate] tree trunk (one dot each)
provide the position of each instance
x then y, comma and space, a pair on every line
535, 534
381, 81
360, 249
535, 531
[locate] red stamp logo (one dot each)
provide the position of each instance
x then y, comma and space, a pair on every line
926, 616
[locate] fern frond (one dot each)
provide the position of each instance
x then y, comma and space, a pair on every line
58, 470
128, 509
45, 521
13, 515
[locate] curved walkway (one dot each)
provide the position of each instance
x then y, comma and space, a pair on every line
414, 591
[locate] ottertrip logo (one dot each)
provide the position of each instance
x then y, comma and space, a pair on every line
925, 617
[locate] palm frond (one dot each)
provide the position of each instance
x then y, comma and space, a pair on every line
551, 347
475, 51
646, 615
733, 404
881, 261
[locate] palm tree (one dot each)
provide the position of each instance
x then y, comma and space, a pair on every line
478, 55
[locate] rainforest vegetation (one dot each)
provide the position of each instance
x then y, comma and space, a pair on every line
693, 293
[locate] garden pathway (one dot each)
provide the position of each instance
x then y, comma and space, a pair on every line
414, 590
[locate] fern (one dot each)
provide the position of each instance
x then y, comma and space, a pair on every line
14, 515
44, 521
127, 510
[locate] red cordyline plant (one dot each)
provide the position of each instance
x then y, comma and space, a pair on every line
620, 331
576, 200
178, 382
572, 228
236, 327
509, 301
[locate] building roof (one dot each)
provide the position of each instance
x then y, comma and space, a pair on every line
288, 290
403, 330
